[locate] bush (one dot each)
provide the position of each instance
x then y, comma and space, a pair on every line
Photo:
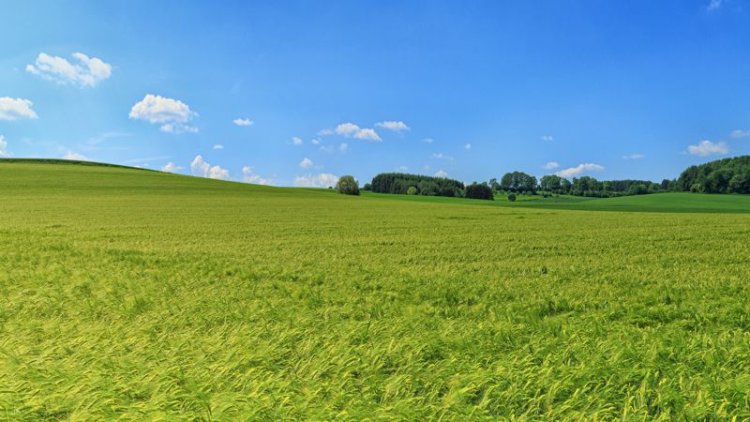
347, 185
512, 197
412, 190
479, 191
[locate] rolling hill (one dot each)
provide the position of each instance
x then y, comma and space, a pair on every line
141, 295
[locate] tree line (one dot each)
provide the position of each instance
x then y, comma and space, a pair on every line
415, 184
731, 175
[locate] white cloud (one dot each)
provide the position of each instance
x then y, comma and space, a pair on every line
394, 126
706, 148
441, 156
739, 133
218, 146
322, 180
714, 5
441, 173
548, 138
315, 141
171, 167
577, 170
344, 147
350, 130
249, 176
306, 163
174, 116
467, 146
243, 122
200, 167
347, 129
88, 71
403, 168
70, 155
3, 146
325, 132
296, 140
428, 140
16, 108
551, 165
633, 157
368, 134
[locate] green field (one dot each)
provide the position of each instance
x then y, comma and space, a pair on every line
140, 295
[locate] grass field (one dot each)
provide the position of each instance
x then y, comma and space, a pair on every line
140, 295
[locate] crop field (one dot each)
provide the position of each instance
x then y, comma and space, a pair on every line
141, 295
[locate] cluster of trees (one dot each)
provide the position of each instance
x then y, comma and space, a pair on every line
730, 175
414, 184
589, 186
518, 182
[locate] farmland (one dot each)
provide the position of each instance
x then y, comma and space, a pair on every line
138, 294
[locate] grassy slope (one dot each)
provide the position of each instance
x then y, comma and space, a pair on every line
140, 294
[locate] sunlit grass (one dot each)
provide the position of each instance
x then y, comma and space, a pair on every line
144, 295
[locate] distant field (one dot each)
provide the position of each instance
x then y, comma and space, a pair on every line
659, 202
140, 295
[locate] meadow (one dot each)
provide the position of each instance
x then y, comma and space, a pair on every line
139, 295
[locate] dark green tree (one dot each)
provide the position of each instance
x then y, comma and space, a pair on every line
347, 185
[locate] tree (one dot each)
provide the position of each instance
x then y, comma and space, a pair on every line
551, 183
512, 197
479, 191
518, 182
412, 190
347, 185
494, 185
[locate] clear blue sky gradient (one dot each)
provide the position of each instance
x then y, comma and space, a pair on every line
604, 79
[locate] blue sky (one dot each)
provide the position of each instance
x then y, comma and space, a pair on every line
298, 93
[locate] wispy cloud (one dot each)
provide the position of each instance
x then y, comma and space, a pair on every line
467, 146
441, 156
322, 180
551, 165
548, 138
428, 140
200, 167
714, 5
249, 176
739, 133
296, 140
306, 163
3, 146
633, 157
85, 72
441, 173
706, 148
218, 147
350, 130
70, 155
579, 169
395, 126
173, 115
243, 122
16, 109
171, 167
